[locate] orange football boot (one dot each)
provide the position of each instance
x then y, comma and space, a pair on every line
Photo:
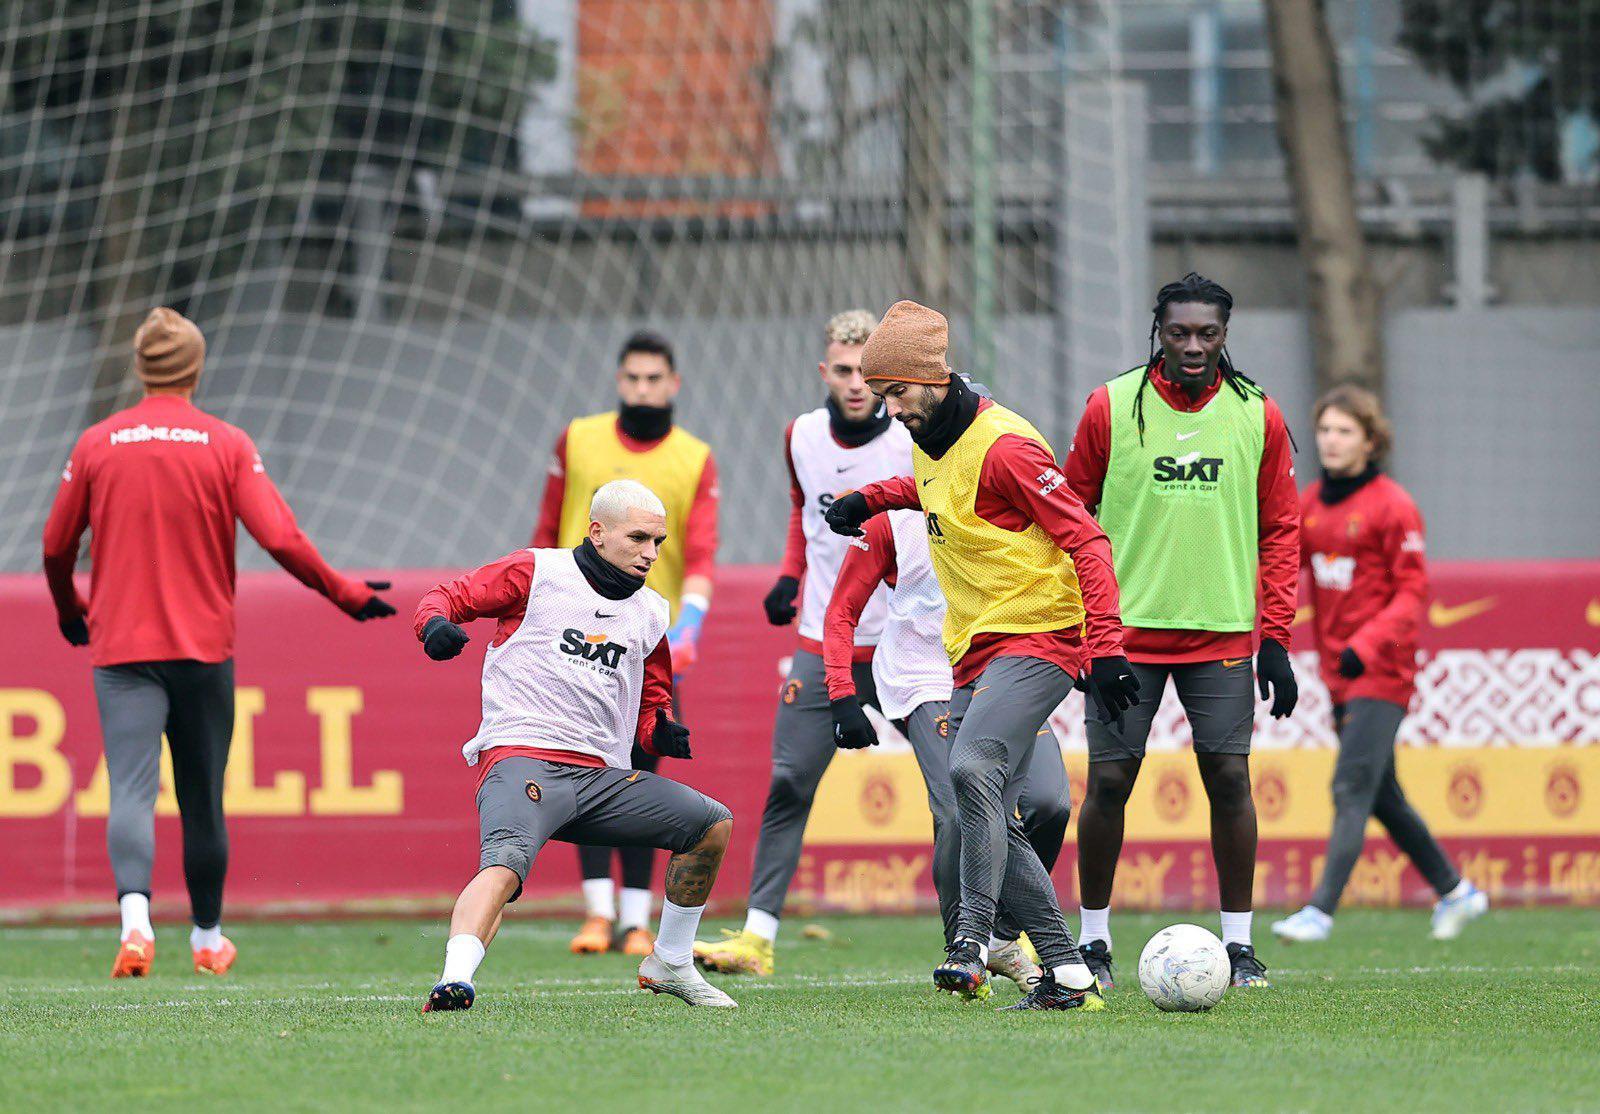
593, 938
134, 957
638, 941
215, 961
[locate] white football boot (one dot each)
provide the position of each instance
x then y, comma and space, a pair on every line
1009, 961
1309, 926
686, 983
1451, 915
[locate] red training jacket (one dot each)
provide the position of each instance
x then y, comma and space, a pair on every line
860, 573
160, 485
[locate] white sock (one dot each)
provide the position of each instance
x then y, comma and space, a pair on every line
983, 949
461, 958
764, 925
635, 906
203, 938
1094, 924
1463, 888
136, 915
1236, 928
1074, 976
675, 941
600, 897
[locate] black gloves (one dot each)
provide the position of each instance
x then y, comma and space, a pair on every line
1112, 686
780, 601
852, 730
442, 639
1350, 664
376, 608
846, 514
670, 740
76, 631
1273, 668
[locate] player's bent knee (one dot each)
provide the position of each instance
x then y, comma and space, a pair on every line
508, 850
1108, 788
789, 788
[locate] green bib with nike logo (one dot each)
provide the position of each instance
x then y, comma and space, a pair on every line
1180, 508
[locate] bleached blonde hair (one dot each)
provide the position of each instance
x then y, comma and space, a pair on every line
614, 500
853, 326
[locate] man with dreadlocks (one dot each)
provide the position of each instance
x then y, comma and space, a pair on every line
1189, 468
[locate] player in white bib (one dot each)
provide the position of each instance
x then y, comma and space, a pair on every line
835, 448
578, 670
913, 678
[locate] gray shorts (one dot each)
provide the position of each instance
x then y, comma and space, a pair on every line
524, 803
1219, 697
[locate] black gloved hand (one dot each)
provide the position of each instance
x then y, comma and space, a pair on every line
76, 631
1350, 664
376, 607
1113, 687
442, 639
1273, 668
780, 601
846, 514
852, 730
670, 740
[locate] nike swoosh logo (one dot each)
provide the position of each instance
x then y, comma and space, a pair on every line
1441, 616
1592, 613
929, 480
1229, 663
635, 776
844, 467
1301, 615
603, 615
1186, 436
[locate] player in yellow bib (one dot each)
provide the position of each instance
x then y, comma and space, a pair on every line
637, 441
1031, 607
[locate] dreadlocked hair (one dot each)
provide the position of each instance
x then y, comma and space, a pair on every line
1192, 287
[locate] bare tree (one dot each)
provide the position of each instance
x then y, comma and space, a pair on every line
1346, 327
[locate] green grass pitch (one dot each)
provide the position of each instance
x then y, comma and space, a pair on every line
325, 1015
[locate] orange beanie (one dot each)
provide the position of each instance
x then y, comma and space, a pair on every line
168, 349
908, 346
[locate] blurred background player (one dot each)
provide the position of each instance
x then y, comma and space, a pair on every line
913, 678
1189, 468
847, 442
639, 441
1029, 596
578, 674
159, 486
1362, 540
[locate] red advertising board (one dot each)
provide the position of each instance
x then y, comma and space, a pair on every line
346, 784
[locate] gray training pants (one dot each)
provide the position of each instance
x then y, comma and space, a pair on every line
1364, 785
997, 720
802, 747
192, 703
1044, 808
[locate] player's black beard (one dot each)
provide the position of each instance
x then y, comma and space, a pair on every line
645, 423
949, 419
604, 577
853, 433
1336, 489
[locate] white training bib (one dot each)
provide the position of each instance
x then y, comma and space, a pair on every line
571, 676
826, 468
911, 666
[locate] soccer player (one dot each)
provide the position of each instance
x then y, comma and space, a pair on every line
1362, 540
913, 679
639, 441
159, 486
1189, 467
579, 672
847, 442
1030, 595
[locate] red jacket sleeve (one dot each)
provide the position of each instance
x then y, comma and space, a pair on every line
868, 562
656, 694
498, 590
63, 531
1278, 529
1399, 623
1090, 451
1018, 474
898, 493
271, 523
700, 541
548, 528
794, 548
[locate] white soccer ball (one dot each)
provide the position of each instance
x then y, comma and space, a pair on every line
1184, 968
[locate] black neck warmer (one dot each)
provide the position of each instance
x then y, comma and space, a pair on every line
1336, 489
604, 577
645, 423
853, 433
949, 419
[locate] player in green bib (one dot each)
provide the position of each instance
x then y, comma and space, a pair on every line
1190, 470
